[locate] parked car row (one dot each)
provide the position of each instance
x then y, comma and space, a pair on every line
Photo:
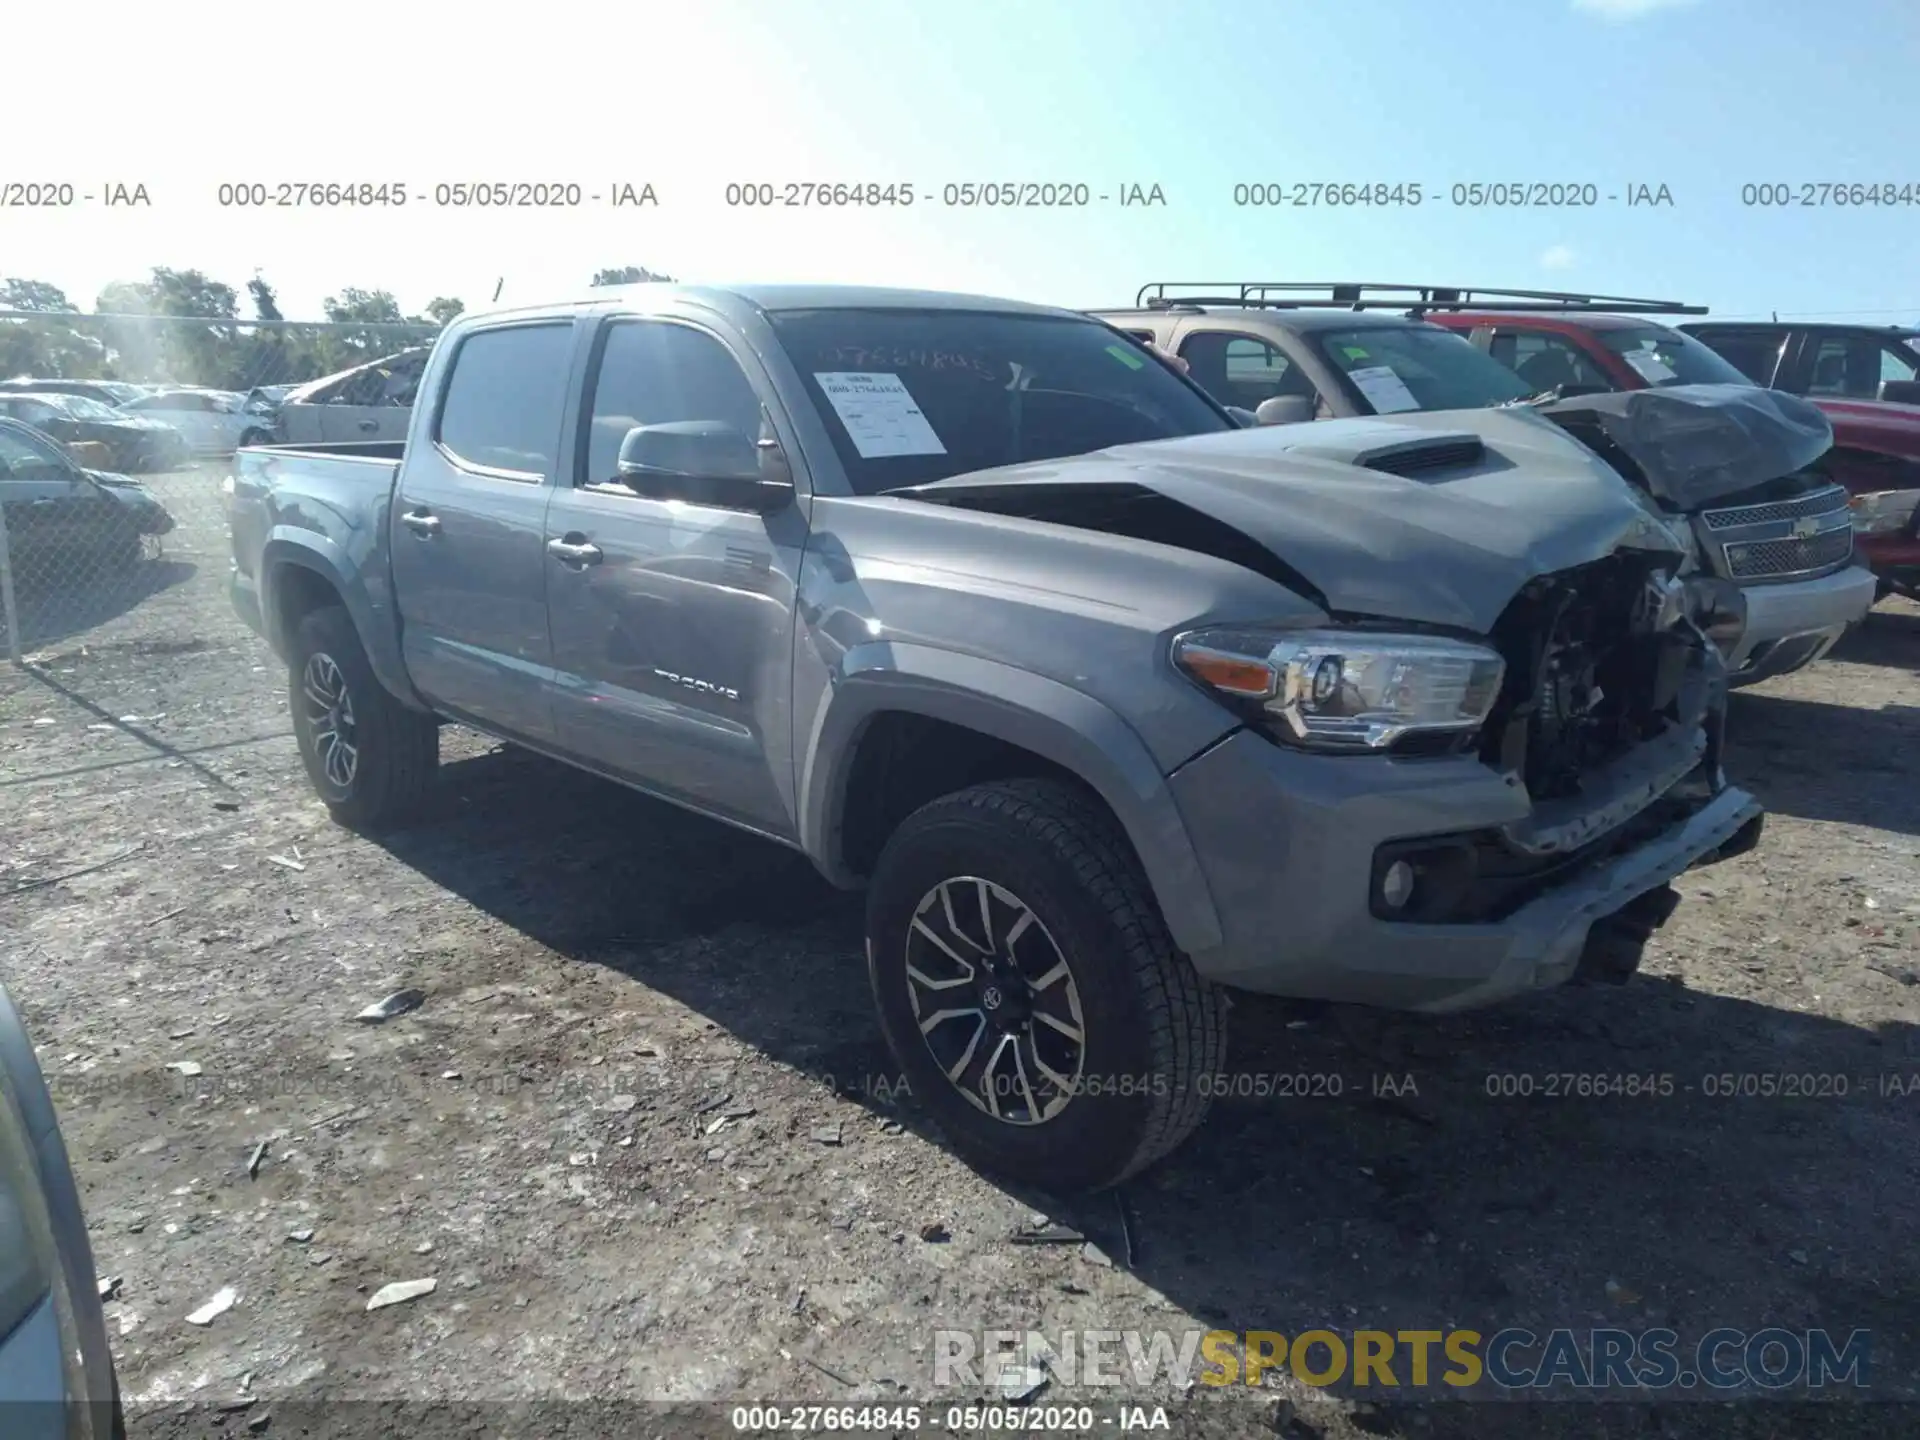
145, 427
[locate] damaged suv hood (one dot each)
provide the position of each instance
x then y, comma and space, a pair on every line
1436, 517
1692, 444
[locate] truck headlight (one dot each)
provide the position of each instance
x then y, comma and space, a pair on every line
1884, 512
1346, 690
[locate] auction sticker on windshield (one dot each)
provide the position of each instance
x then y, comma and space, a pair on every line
1385, 391
1652, 368
879, 413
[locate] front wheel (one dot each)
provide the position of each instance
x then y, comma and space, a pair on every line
370, 758
1029, 990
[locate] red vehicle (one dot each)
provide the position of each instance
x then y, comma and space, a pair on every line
1876, 449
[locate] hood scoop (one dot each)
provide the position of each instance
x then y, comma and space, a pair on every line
1425, 457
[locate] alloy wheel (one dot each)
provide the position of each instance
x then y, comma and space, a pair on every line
995, 1000
329, 716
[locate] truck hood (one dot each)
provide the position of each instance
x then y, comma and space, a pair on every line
1438, 518
1689, 445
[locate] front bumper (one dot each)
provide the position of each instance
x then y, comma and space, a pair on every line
1792, 624
1287, 843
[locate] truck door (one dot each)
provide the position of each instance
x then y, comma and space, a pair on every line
673, 621
468, 528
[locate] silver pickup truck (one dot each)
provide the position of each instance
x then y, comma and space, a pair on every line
1110, 702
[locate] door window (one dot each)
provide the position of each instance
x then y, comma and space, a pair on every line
1752, 352
1545, 361
505, 399
654, 372
27, 459
1242, 370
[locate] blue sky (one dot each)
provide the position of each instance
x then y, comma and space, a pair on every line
1196, 96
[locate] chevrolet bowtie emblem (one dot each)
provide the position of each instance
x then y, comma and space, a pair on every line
1806, 529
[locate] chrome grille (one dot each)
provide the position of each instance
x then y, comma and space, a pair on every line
1820, 502
1759, 558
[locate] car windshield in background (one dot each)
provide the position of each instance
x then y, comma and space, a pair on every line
1418, 367
1666, 357
86, 408
914, 396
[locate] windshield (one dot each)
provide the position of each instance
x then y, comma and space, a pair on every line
1418, 367
914, 396
88, 409
1666, 357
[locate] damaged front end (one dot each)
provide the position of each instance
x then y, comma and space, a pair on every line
1611, 715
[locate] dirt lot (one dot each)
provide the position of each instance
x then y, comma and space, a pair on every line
641, 1131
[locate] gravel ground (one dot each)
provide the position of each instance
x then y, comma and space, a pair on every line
643, 1136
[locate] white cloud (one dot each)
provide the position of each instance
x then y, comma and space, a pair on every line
1556, 257
1628, 9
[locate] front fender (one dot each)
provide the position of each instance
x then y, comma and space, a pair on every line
1066, 726
288, 547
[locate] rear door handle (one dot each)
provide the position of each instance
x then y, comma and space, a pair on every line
369, 424
577, 553
422, 523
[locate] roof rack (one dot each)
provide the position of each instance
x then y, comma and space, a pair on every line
1414, 299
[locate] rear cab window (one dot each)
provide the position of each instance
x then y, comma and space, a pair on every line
505, 398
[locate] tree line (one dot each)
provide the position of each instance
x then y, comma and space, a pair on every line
145, 330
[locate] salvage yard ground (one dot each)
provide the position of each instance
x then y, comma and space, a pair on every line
640, 1129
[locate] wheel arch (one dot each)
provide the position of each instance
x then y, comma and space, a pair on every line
303, 571
1016, 722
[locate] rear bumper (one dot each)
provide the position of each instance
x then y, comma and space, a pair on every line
1288, 844
1791, 625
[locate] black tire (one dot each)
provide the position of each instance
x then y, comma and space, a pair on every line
1152, 1029
395, 749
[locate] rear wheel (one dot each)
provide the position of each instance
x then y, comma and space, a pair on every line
370, 758
1029, 990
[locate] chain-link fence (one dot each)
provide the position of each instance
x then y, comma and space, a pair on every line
117, 434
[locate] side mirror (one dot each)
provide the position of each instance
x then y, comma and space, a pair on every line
1246, 419
1284, 410
1900, 392
704, 462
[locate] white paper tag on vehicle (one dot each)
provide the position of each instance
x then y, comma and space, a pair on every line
1652, 368
1385, 391
879, 413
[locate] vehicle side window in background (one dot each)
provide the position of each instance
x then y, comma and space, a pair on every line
1544, 361
653, 372
27, 460
505, 398
1898, 363
1752, 352
1241, 370
1854, 366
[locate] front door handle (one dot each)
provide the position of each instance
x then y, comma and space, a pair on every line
369, 425
577, 553
422, 523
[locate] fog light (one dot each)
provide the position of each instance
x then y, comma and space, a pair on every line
1396, 886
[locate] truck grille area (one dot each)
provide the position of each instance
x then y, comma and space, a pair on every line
1589, 673
1784, 559
1790, 538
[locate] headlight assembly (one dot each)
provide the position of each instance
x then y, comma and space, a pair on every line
1346, 690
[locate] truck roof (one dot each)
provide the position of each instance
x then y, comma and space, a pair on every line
774, 297
1826, 328
1560, 319
1272, 316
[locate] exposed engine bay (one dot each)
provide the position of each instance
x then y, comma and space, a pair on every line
1597, 662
